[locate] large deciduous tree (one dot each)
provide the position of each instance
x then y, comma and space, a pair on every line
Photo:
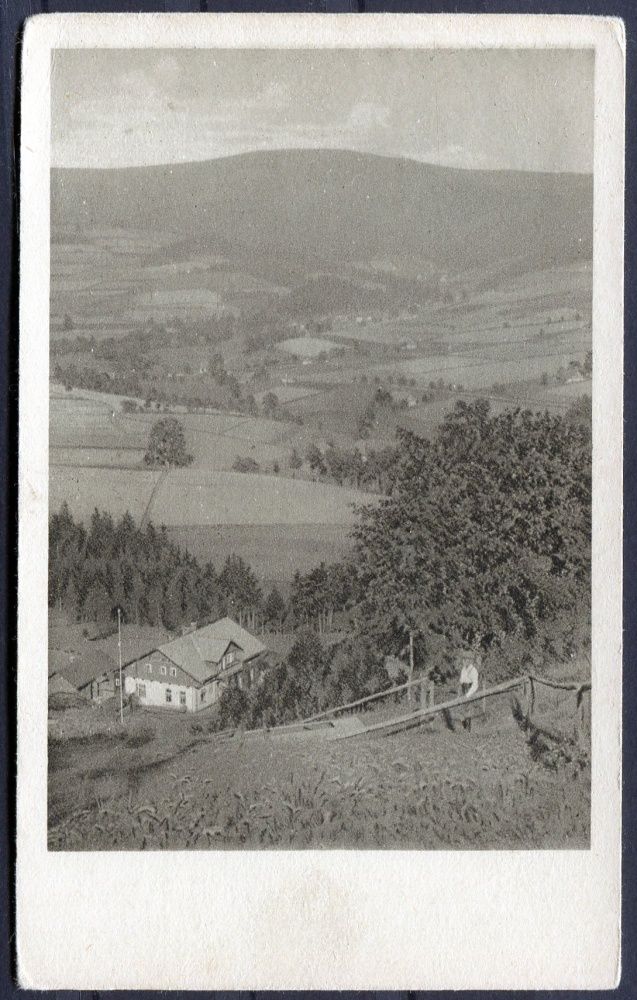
486, 535
167, 445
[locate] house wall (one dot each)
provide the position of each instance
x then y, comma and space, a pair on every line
207, 695
151, 692
243, 673
197, 697
157, 667
101, 688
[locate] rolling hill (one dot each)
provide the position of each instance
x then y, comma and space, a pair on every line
292, 211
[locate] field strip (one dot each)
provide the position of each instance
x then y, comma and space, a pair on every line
96, 447
458, 368
531, 401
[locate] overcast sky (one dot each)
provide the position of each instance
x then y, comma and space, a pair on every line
525, 110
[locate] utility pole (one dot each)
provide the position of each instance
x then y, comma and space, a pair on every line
119, 647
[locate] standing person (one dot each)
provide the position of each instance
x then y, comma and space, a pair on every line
469, 682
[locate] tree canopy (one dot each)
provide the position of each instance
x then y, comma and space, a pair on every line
167, 444
486, 534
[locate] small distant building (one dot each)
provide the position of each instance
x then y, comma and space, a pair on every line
190, 673
90, 672
84, 658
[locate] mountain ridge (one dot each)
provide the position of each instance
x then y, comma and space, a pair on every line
339, 206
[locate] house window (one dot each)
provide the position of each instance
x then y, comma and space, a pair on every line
173, 671
202, 696
150, 668
162, 670
169, 696
141, 690
230, 657
117, 682
240, 681
182, 697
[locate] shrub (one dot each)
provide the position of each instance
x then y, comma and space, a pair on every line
140, 736
241, 464
234, 707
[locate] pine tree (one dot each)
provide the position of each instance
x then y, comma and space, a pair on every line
274, 609
97, 604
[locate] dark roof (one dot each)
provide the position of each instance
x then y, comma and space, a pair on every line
59, 685
79, 669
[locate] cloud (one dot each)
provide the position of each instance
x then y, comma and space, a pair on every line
366, 115
119, 108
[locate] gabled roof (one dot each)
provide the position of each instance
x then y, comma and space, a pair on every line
197, 651
79, 669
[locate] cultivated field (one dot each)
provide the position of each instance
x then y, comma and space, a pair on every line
169, 782
273, 551
508, 335
112, 489
197, 497
278, 524
90, 428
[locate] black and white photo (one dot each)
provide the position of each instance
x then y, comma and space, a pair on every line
327, 371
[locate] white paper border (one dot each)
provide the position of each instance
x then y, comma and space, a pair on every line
333, 919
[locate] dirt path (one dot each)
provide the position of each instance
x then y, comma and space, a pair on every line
163, 475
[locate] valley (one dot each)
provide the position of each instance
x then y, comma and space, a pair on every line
268, 336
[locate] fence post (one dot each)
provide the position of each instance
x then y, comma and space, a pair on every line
422, 694
579, 718
410, 690
530, 706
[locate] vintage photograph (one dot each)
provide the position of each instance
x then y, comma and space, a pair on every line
320, 448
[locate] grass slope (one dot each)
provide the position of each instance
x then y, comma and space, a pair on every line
424, 789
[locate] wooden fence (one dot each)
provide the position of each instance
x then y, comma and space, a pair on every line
526, 683
422, 690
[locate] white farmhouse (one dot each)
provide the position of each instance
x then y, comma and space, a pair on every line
190, 673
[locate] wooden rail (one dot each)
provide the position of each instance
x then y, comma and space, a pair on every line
415, 718
563, 686
365, 701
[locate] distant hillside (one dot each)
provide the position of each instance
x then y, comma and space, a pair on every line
333, 207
